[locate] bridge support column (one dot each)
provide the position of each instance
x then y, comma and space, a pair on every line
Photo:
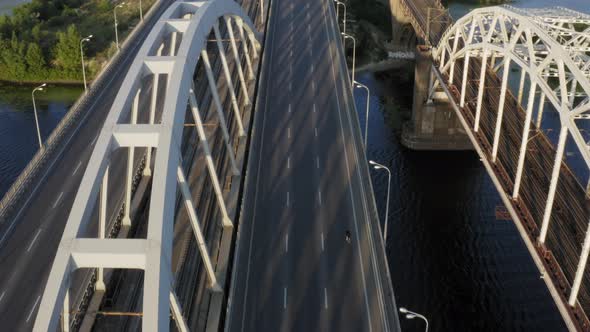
219, 108
230, 85
245, 49
65, 316
130, 156
498, 129
521, 85
539, 123
581, 269
434, 126
237, 60
525, 139
190, 210
102, 216
553, 184
177, 313
210, 165
466, 66
147, 170
482, 82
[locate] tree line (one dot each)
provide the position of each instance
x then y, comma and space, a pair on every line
40, 41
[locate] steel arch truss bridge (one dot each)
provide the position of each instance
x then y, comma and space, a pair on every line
518, 80
162, 103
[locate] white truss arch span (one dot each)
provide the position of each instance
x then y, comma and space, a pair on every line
549, 49
172, 50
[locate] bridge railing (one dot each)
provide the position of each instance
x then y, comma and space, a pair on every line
34, 173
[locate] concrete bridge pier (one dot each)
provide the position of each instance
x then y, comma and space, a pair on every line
434, 125
403, 34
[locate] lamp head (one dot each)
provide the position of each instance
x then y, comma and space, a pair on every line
401, 309
44, 84
410, 316
374, 163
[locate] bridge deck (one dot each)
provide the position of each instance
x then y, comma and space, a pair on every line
306, 185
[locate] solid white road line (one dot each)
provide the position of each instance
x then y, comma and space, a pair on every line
58, 199
322, 241
272, 32
325, 298
317, 162
95, 138
2, 296
287, 243
285, 298
34, 240
77, 167
33, 308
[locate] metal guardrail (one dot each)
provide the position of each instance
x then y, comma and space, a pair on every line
24, 185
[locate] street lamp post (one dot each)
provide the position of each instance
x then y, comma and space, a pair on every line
412, 315
140, 11
82, 56
339, 3
353, 52
117, 23
39, 88
379, 166
360, 85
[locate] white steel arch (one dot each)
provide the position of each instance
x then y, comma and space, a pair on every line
192, 23
551, 47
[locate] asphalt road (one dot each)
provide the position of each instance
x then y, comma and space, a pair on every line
295, 270
28, 249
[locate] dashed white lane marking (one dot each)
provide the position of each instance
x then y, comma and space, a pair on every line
33, 308
77, 167
287, 198
325, 298
95, 138
314, 108
289, 104
316, 132
285, 298
287, 243
2, 296
312, 68
34, 240
312, 85
317, 162
320, 197
322, 241
289, 132
289, 162
58, 199
290, 88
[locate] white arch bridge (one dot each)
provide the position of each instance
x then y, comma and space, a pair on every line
159, 102
518, 80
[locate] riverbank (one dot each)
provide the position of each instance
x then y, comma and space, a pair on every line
40, 41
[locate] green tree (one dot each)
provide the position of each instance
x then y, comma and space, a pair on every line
67, 52
35, 61
12, 57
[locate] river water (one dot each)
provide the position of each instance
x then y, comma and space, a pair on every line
450, 258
